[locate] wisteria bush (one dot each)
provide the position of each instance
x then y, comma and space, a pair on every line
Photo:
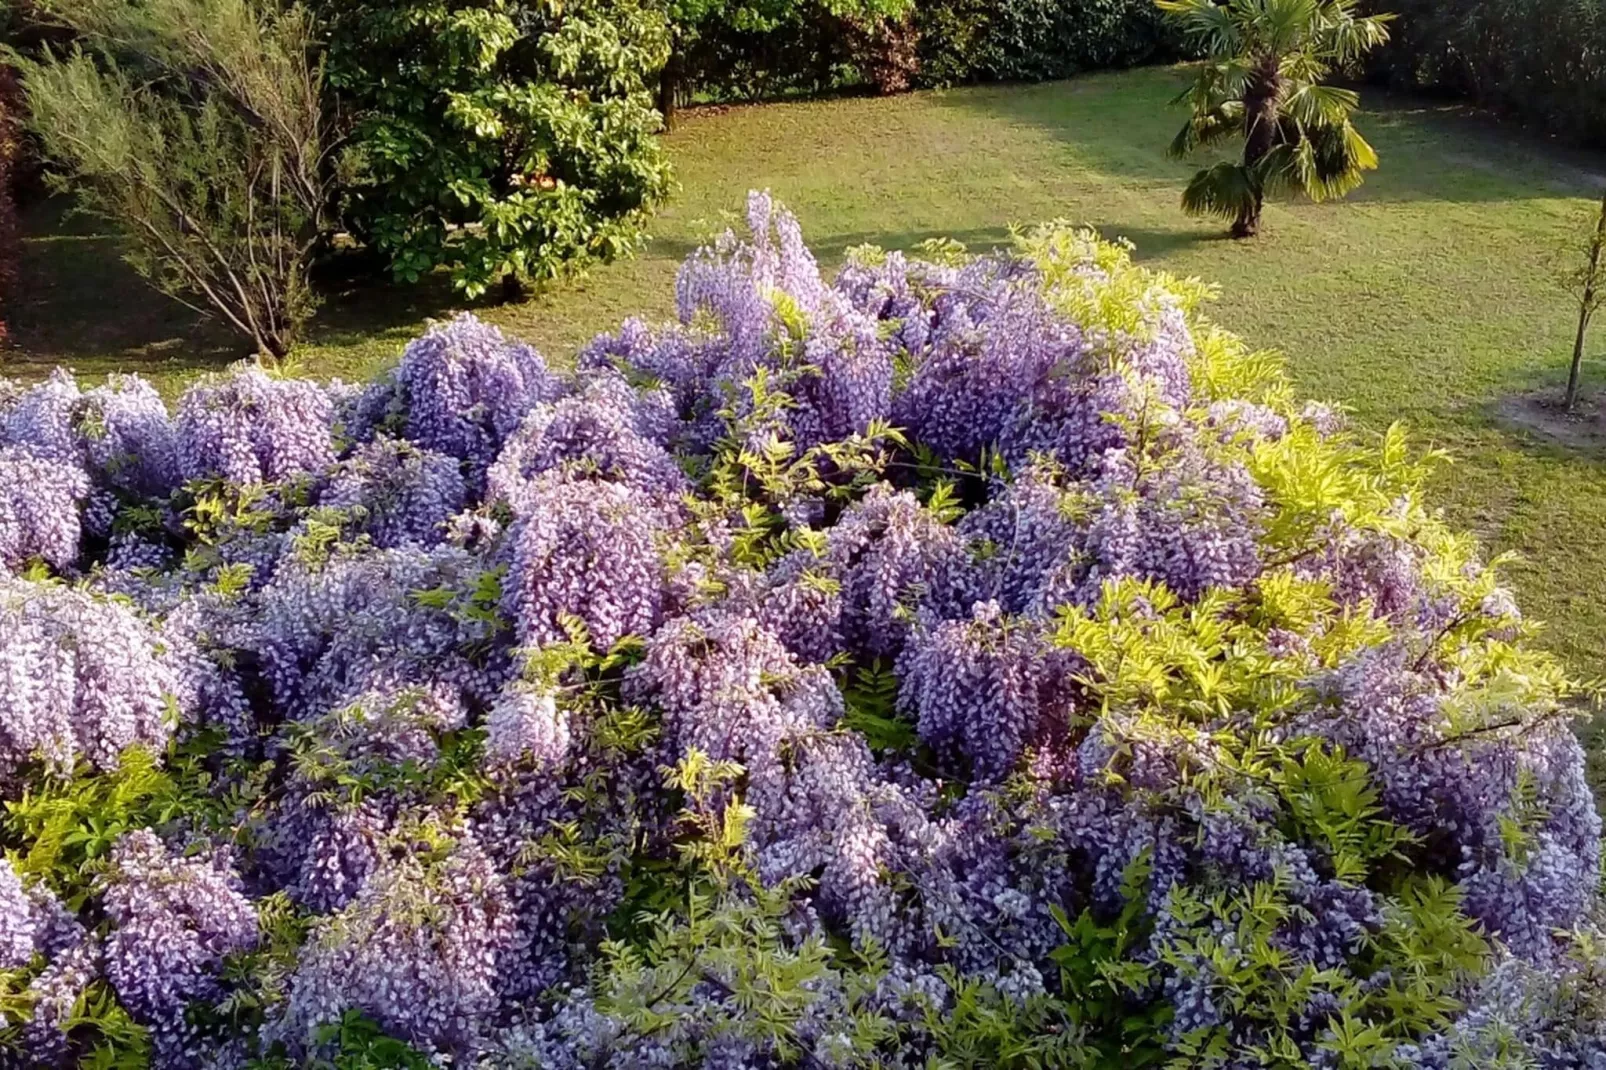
972, 661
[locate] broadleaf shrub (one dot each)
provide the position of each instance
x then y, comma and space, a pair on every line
886, 51
974, 661
504, 140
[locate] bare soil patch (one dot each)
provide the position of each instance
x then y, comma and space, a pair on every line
1541, 414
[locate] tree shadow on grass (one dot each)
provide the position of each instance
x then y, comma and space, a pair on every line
1148, 241
832, 249
367, 318
77, 304
1119, 123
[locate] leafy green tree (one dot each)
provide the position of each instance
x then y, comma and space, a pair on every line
199, 129
507, 139
1263, 81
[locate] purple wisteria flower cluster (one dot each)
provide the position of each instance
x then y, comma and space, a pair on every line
962, 661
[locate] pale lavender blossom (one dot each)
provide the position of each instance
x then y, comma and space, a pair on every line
174, 922
248, 427
81, 680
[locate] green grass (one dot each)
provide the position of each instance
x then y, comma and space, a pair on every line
1425, 297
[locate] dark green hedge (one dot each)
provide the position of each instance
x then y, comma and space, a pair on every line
1033, 40
943, 42
1541, 61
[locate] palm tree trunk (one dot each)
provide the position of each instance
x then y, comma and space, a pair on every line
1262, 105
1247, 225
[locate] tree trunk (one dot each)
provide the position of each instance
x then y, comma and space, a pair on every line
1262, 107
1247, 225
1586, 305
274, 345
669, 91
1575, 371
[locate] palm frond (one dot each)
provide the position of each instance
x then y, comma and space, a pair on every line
1320, 105
1289, 131
1201, 93
1339, 160
1230, 77
1348, 38
1225, 191
1286, 25
1209, 25
1185, 142
1360, 150
1215, 83
1207, 128
1304, 67
1286, 167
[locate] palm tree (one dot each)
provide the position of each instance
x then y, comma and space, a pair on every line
1265, 62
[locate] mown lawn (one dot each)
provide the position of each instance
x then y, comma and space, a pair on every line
1426, 297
